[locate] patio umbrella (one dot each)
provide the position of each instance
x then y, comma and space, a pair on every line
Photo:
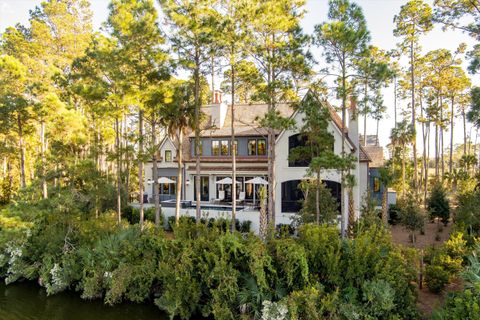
226, 180
256, 180
165, 180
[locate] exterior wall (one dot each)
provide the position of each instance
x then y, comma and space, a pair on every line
363, 180
285, 173
165, 169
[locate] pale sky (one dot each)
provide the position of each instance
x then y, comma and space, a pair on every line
378, 13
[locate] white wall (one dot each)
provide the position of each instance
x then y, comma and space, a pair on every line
286, 173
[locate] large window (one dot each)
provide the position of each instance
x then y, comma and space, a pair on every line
224, 147
204, 186
262, 147
257, 147
168, 155
297, 158
252, 147
215, 148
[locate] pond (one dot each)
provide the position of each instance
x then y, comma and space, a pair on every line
28, 301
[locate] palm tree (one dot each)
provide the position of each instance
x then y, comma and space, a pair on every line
401, 136
349, 185
177, 117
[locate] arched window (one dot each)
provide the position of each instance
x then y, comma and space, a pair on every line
292, 195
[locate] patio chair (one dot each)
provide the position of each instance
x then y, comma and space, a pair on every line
241, 197
221, 196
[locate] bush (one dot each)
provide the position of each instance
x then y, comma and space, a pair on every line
467, 214
464, 304
284, 230
412, 217
204, 270
327, 203
438, 205
436, 278
394, 214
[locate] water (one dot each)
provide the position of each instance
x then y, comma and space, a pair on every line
27, 301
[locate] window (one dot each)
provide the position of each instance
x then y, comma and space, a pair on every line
204, 186
224, 148
252, 147
168, 155
215, 148
296, 159
235, 147
262, 147
168, 188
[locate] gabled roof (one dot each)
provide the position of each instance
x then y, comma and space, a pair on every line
376, 155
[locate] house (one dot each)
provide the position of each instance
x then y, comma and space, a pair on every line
251, 145
376, 154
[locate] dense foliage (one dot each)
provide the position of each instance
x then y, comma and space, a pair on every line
464, 304
438, 205
205, 269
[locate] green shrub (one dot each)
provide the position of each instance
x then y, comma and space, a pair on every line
438, 205
394, 214
466, 303
436, 278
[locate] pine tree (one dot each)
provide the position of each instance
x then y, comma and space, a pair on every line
344, 40
414, 19
438, 205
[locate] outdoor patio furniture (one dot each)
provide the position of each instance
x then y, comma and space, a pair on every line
221, 196
241, 197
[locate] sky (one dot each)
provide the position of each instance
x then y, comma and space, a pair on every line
378, 13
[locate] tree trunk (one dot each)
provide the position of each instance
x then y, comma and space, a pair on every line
44, 163
178, 193
156, 195
414, 142
119, 171
140, 165
384, 205
403, 170
365, 102
351, 212
442, 161
436, 152
232, 146
395, 100
343, 227
450, 165
317, 198
464, 132
196, 76
21, 146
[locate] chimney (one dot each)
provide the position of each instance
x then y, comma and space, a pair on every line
353, 123
217, 97
219, 110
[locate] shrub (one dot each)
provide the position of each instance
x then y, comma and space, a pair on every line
464, 304
436, 278
394, 214
328, 205
284, 230
438, 205
412, 217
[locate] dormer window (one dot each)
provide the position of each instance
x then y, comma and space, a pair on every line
168, 155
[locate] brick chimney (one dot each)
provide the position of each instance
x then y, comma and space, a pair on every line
353, 132
217, 97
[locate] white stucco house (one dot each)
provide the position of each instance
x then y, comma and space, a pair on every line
252, 159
